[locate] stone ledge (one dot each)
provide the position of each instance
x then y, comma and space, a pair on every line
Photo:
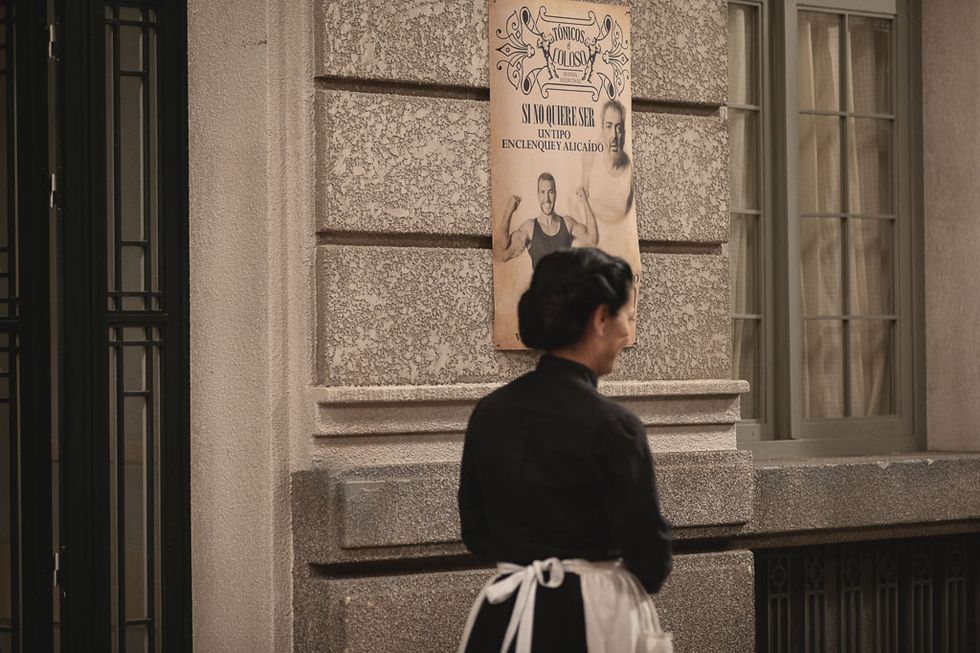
426, 612
867, 492
386, 512
679, 46
375, 410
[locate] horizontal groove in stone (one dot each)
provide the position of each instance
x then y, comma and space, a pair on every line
420, 240
715, 548
680, 108
467, 392
672, 247
478, 93
402, 87
454, 241
395, 567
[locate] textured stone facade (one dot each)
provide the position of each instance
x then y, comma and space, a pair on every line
339, 154
403, 301
414, 315
425, 612
679, 46
397, 164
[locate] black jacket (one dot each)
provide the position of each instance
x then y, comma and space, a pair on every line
552, 468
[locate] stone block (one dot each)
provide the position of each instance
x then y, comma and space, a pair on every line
397, 164
405, 315
679, 46
681, 177
708, 603
422, 612
706, 488
404, 164
398, 511
865, 492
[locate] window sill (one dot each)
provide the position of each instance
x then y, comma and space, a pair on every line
870, 445
864, 497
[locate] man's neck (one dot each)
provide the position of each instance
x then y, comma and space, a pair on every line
615, 160
550, 219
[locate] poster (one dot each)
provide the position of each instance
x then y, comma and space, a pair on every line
561, 141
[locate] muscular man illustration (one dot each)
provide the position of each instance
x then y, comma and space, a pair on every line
544, 42
593, 49
547, 231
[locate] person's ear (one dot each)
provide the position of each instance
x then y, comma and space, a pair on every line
600, 316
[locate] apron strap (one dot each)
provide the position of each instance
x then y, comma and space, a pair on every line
525, 581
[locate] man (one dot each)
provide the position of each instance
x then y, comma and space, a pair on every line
607, 178
546, 232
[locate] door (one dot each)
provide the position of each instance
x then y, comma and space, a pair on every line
93, 327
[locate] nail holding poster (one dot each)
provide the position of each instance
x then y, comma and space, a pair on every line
561, 141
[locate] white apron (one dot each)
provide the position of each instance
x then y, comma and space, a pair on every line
619, 614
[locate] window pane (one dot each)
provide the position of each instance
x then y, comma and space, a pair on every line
7, 527
5, 174
818, 61
130, 48
130, 13
743, 54
820, 274
870, 245
869, 84
134, 369
869, 166
746, 364
131, 154
132, 269
743, 140
135, 524
154, 172
136, 639
6, 185
820, 176
743, 252
110, 161
823, 369
871, 368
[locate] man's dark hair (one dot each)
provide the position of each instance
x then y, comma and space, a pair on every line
612, 104
567, 286
547, 176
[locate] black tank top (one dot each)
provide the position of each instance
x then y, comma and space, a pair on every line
542, 243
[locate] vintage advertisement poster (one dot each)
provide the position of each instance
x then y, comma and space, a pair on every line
561, 145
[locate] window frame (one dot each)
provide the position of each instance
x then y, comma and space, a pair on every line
755, 430
785, 432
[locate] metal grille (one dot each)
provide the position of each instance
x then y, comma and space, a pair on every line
914, 596
136, 323
131, 149
9, 326
10, 492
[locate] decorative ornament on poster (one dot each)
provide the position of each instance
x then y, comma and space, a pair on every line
561, 141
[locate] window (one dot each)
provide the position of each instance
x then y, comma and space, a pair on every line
820, 125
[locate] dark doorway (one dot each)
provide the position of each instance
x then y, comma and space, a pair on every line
94, 546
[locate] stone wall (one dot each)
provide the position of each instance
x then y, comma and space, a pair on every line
404, 309
951, 155
339, 192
